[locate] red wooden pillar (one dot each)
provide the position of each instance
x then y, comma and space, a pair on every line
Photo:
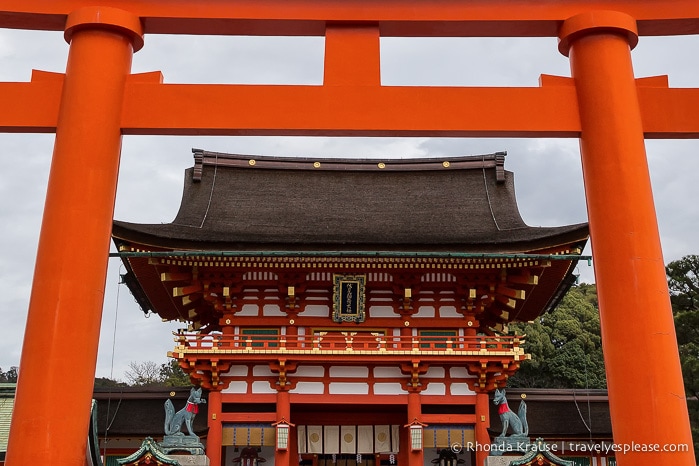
415, 458
282, 457
406, 334
482, 437
292, 335
227, 329
214, 438
646, 394
58, 361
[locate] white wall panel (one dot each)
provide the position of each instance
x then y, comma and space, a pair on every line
262, 386
388, 389
461, 389
309, 388
435, 389
237, 371
349, 371
343, 388
384, 372
236, 387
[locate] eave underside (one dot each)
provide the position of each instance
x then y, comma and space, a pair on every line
496, 290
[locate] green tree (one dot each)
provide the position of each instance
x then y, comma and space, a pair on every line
10, 376
143, 374
683, 282
565, 345
107, 382
172, 375
150, 374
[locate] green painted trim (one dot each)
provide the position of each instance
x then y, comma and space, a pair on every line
578, 460
261, 335
459, 255
435, 336
148, 446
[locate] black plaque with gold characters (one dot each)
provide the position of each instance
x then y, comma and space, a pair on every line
349, 298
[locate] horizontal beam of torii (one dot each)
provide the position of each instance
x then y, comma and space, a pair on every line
550, 110
416, 18
98, 100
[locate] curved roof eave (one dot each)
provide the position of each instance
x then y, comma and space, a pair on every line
175, 237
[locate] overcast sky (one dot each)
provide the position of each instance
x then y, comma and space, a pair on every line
548, 174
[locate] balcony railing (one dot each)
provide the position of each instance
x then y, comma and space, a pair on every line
374, 343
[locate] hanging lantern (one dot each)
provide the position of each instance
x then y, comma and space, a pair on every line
282, 427
282, 436
416, 430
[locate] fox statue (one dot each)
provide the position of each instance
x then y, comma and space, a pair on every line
174, 420
518, 422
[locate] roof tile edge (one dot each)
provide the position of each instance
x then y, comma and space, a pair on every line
221, 159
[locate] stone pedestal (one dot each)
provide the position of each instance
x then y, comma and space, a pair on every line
176, 443
510, 445
500, 460
537, 453
191, 460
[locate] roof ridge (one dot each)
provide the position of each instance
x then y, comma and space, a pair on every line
222, 159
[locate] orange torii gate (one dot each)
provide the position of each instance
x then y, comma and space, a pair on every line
98, 100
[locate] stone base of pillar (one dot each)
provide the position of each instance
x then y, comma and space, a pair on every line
194, 460
500, 460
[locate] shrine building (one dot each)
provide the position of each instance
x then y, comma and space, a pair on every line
346, 311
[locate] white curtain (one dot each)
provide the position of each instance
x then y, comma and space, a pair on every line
314, 441
348, 439
365, 439
332, 440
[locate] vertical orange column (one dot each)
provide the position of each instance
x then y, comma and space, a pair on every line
415, 458
646, 394
52, 407
352, 55
214, 438
282, 457
292, 335
482, 424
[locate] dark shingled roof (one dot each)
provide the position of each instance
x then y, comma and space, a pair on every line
140, 411
551, 413
237, 202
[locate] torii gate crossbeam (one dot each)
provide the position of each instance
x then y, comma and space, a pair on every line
97, 101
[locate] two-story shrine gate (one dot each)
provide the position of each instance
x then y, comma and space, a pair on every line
97, 101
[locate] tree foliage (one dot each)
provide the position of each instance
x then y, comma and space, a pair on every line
10, 376
149, 374
143, 374
107, 382
172, 375
683, 282
565, 345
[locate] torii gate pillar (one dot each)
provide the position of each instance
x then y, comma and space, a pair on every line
638, 333
52, 408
